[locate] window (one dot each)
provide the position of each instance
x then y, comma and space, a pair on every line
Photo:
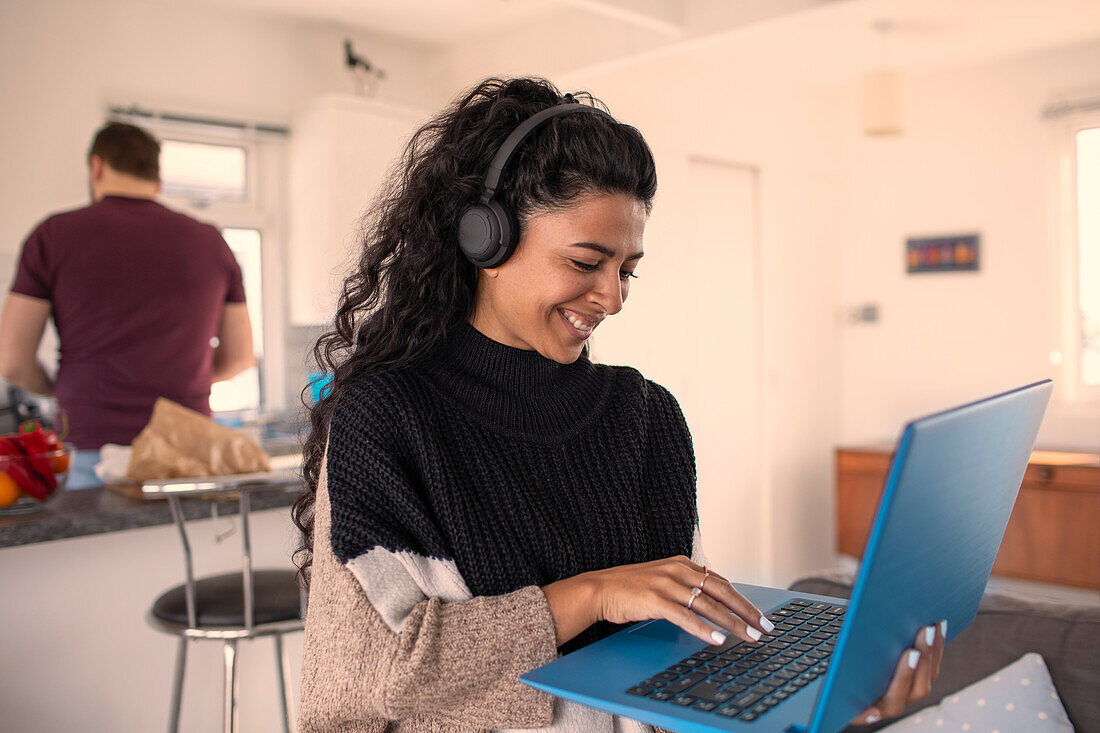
1087, 165
1079, 147
203, 171
242, 392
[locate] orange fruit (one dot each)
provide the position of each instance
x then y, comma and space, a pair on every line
60, 463
9, 491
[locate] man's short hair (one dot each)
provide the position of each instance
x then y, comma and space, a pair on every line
128, 149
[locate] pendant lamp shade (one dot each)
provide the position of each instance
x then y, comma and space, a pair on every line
883, 93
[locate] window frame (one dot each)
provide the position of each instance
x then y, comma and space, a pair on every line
1073, 388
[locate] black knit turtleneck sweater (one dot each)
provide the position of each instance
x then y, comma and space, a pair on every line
519, 470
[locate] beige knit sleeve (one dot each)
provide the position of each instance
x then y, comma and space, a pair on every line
450, 665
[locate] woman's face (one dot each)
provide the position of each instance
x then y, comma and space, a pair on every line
571, 269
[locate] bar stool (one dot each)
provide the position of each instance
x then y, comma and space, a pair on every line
233, 606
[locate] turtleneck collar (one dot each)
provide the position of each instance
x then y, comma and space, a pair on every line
516, 389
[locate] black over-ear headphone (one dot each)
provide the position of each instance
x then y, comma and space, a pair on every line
488, 232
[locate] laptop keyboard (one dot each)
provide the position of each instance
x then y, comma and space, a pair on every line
747, 679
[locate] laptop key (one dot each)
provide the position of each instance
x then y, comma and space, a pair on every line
771, 701
655, 682
761, 709
728, 711
800, 602
748, 716
640, 690
662, 695
709, 669
683, 701
685, 682
723, 678
679, 669
689, 662
749, 698
703, 655
735, 688
705, 705
838, 610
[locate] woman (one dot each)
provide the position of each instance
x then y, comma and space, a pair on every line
481, 496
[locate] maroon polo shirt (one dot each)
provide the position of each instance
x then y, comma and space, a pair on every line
136, 291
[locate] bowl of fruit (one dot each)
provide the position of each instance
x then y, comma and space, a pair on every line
34, 466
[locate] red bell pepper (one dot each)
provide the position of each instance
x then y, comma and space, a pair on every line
40, 452
29, 481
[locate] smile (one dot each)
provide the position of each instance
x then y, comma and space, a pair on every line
580, 325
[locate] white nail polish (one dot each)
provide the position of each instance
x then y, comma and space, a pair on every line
930, 635
718, 636
914, 657
943, 629
752, 633
873, 718
768, 625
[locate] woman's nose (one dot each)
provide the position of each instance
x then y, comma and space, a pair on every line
609, 292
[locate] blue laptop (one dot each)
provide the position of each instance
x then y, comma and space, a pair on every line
943, 514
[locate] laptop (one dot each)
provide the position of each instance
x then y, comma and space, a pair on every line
943, 513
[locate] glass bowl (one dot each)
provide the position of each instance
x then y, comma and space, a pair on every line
17, 470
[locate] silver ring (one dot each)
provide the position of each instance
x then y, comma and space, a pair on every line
695, 593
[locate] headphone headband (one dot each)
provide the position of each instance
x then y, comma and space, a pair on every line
488, 232
513, 141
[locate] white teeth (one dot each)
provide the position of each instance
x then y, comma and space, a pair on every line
578, 324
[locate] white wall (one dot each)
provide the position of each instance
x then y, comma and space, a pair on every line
977, 156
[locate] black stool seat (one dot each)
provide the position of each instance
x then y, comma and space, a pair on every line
219, 599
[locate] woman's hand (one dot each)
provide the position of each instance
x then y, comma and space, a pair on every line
913, 676
675, 589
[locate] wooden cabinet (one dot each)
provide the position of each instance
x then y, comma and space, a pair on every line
1052, 537
341, 148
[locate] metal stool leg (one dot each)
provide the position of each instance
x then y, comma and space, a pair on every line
230, 686
177, 686
282, 661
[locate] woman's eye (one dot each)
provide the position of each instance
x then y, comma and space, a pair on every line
588, 267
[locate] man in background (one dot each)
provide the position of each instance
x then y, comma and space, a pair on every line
138, 293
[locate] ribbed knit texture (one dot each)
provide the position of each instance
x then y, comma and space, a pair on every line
520, 470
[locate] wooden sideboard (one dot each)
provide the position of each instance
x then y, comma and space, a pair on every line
1052, 537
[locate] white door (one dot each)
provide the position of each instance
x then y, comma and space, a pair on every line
722, 380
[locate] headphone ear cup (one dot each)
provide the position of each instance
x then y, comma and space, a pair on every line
509, 233
479, 235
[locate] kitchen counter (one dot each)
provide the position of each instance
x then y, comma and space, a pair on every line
82, 512
87, 507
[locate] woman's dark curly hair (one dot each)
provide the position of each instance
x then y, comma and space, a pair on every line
412, 286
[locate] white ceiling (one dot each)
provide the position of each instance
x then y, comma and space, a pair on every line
822, 40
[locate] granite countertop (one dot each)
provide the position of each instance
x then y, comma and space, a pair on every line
83, 512
87, 507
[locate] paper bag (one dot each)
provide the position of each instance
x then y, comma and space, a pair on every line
181, 443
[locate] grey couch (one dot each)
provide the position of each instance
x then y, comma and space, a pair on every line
1008, 626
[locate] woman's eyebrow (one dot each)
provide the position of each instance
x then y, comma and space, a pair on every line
605, 251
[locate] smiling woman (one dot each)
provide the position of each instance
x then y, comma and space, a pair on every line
481, 496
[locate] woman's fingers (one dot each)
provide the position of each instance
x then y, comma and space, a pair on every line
719, 614
923, 674
690, 622
892, 703
723, 592
937, 653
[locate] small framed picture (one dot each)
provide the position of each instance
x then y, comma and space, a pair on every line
957, 253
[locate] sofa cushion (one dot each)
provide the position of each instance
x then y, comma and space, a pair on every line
1007, 626
1019, 697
